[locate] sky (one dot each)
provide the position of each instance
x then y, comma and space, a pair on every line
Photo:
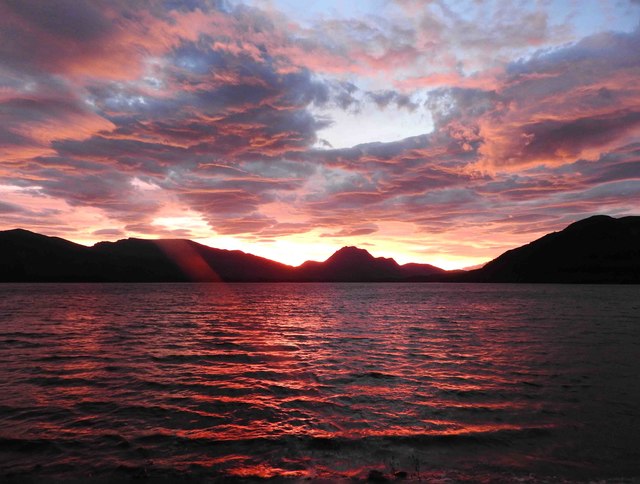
435, 131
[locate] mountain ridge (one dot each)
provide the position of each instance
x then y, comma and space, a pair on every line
598, 249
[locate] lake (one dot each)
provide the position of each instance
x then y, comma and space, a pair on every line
423, 382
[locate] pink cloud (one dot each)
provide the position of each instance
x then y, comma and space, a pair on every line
140, 112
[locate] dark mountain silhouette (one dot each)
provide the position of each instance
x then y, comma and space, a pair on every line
351, 264
414, 270
27, 256
185, 260
598, 249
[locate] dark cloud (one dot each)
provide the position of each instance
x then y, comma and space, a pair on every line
10, 208
212, 107
69, 37
574, 102
354, 231
384, 98
110, 233
77, 21
550, 140
158, 231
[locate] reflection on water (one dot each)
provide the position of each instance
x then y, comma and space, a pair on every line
334, 381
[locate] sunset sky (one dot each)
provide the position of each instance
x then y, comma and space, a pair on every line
429, 131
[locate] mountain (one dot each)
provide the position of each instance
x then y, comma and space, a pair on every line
185, 260
351, 264
413, 270
598, 249
27, 256
30, 257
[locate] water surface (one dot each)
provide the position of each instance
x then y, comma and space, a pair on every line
449, 383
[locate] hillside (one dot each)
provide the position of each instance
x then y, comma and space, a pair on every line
598, 249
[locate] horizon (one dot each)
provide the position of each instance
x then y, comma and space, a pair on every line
213, 247
437, 132
338, 249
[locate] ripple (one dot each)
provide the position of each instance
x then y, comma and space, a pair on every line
321, 382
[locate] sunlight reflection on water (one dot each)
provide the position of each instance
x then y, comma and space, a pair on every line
319, 380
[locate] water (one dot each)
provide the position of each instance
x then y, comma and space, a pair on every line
432, 382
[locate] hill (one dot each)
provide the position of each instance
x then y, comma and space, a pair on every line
598, 249
29, 257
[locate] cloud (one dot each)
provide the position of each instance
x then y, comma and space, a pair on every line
354, 231
570, 103
212, 109
10, 208
109, 233
37, 120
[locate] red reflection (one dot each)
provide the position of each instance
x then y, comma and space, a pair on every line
190, 262
266, 381
266, 471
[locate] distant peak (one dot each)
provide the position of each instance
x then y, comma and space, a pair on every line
350, 254
22, 233
18, 231
352, 249
594, 219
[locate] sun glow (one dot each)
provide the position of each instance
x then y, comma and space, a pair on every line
182, 223
297, 249
442, 133
176, 222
